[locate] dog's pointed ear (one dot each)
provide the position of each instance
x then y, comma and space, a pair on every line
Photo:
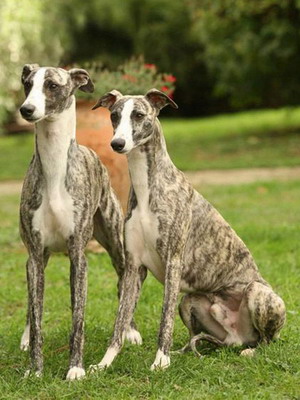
27, 69
81, 80
159, 99
108, 100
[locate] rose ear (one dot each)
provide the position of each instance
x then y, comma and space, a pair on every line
81, 80
159, 99
108, 100
27, 69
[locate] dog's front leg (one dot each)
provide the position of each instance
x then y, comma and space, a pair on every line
35, 285
78, 286
171, 291
24, 345
130, 289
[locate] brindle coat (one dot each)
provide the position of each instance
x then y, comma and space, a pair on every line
172, 230
66, 198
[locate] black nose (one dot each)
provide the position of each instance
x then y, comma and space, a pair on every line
118, 144
27, 111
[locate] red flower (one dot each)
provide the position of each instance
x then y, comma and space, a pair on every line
168, 91
150, 66
170, 78
165, 89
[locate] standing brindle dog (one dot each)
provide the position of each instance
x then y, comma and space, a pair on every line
187, 245
66, 198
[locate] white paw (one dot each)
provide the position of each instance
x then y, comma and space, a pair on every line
133, 336
75, 373
161, 361
24, 345
248, 353
29, 373
96, 367
108, 358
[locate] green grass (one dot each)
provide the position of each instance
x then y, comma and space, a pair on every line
265, 138
266, 216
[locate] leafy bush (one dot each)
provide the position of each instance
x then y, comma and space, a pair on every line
251, 48
132, 77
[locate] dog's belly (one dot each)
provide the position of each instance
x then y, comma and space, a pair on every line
54, 219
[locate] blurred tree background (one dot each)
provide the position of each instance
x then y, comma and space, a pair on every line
227, 55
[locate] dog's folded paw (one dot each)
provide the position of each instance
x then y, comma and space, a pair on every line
75, 373
133, 336
248, 353
161, 361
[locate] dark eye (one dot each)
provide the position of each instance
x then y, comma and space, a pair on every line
53, 86
27, 85
139, 115
114, 116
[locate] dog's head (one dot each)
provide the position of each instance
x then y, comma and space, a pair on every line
133, 117
49, 90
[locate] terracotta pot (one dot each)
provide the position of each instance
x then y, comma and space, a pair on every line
94, 130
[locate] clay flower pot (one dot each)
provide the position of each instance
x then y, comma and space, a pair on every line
94, 130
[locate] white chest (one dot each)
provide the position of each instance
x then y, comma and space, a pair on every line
142, 229
54, 219
141, 235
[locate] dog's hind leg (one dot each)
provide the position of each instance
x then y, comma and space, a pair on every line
195, 312
132, 335
78, 284
130, 290
108, 231
24, 345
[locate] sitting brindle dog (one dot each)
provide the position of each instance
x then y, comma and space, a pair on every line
66, 198
187, 245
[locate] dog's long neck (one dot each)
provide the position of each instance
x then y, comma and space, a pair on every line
54, 136
146, 162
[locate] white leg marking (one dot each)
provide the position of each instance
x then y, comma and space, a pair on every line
161, 361
106, 361
75, 373
133, 336
28, 373
24, 346
248, 353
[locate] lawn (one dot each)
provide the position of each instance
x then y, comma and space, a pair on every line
266, 216
265, 138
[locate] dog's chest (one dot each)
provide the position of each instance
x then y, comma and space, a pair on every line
149, 234
142, 229
54, 219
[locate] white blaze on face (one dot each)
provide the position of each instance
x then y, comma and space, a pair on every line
124, 129
36, 96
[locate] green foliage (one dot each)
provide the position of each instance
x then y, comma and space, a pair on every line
132, 77
252, 49
225, 54
26, 36
271, 230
